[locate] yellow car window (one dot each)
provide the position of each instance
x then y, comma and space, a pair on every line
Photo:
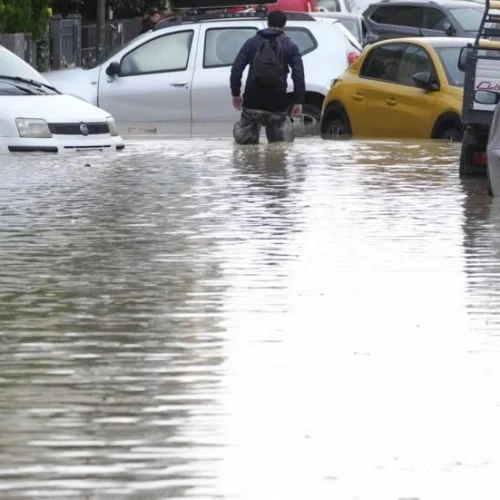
415, 60
383, 63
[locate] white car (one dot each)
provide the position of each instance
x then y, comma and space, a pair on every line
176, 77
34, 117
354, 23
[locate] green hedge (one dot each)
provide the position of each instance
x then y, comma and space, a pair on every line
24, 16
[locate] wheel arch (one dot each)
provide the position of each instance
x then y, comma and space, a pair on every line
311, 97
332, 108
445, 119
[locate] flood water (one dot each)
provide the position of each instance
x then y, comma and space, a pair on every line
198, 320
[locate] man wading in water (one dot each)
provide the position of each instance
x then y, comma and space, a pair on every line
270, 54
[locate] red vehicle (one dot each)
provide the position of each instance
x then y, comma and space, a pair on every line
284, 5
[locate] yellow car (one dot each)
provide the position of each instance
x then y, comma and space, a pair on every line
399, 88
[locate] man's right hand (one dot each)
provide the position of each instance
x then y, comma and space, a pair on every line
237, 102
296, 110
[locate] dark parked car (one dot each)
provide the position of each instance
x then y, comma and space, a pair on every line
404, 18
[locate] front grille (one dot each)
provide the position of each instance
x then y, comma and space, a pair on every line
75, 128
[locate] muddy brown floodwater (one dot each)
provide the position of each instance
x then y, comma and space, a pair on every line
197, 320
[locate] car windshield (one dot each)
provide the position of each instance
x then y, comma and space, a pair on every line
11, 65
111, 52
468, 17
449, 59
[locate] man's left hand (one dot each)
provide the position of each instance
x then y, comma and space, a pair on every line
237, 103
296, 110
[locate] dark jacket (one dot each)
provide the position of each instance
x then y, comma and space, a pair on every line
147, 25
247, 54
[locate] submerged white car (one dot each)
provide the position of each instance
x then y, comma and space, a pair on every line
35, 117
178, 73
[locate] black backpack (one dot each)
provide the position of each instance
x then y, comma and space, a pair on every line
268, 66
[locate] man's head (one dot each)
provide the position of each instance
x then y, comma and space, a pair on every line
276, 19
154, 15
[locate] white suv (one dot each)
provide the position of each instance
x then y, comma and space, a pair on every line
175, 78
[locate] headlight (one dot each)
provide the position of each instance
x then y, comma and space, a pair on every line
33, 128
112, 127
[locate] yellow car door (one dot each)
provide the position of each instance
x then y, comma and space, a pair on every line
369, 113
412, 107
386, 101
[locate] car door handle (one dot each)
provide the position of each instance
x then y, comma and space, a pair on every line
178, 85
358, 97
391, 101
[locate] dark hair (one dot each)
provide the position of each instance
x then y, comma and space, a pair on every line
276, 19
153, 12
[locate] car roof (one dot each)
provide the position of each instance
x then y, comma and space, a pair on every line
338, 15
193, 18
438, 3
433, 41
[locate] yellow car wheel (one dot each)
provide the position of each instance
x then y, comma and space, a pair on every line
335, 123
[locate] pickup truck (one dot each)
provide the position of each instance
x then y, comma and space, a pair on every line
480, 61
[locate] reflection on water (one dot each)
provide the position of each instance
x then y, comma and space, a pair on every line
193, 319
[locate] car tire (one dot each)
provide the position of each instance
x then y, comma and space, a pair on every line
336, 125
452, 134
469, 145
463, 167
308, 123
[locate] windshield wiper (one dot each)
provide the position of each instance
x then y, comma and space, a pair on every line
34, 83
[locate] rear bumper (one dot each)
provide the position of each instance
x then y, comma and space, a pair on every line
59, 144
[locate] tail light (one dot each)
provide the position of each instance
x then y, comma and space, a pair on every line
480, 158
351, 57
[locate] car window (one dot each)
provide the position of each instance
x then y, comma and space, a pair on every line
468, 17
164, 53
415, 60
434, 19
223, 44
353, 26
330, 5
449, 59
398, 15
303, 38
382, 63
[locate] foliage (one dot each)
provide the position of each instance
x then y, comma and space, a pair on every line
128, 8
24, 16
121, 8
15, 16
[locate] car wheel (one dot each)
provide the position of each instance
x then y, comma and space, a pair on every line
472, 142
336, 126
452, 135
308, 122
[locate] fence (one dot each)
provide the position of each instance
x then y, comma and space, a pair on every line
71, 43
117, 33
22, 45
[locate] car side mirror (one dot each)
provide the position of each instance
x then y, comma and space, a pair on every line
425, 80
448, 29
113, 69
462, 59
370, 38
486, 97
